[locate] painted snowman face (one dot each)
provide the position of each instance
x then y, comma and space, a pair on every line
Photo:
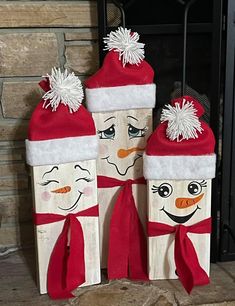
122, 140
182, 202
65, 188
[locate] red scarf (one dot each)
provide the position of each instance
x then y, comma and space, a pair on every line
127, 255
66, 269
187, 265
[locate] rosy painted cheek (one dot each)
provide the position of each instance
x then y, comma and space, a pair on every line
103, 149
87, 191
45, 196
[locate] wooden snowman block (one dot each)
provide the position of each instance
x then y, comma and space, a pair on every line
62, 150
179, 164
121, 158
121, 102
63, 189
177, 202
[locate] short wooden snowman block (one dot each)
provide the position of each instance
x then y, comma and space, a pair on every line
121, 101
174, 202
64, 189
61, 149
179, 168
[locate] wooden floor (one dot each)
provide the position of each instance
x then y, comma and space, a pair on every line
17, 287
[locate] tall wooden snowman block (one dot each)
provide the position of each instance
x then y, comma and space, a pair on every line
62, 148
179, 164
121, 96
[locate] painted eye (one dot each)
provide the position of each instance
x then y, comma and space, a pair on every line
86, 179
109, 133
194, 188
134, 132
48, 182
165, 190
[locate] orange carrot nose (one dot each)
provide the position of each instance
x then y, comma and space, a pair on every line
64, 189
122, 153
187, 202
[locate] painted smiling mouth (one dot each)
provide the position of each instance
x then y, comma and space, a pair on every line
74, 206
123, 174
180, 219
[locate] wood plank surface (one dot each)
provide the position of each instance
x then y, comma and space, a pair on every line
161, 248
113, 164
80, 180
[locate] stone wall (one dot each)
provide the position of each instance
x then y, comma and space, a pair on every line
34, 37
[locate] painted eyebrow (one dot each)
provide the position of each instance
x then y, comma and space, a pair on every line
113, 117
78, 166
132, 118
55, 167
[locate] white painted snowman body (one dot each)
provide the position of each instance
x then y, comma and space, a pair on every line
162, 208
66, 189
121, 96
179, 164
61, 149
121, 157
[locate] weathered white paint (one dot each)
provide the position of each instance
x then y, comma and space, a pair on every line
161, 263
46, 201
129, 167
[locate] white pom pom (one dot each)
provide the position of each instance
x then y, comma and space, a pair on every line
66, 88
182, 122
126, 43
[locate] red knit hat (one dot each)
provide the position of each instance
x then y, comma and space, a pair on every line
125, 81
182, 146
61, 130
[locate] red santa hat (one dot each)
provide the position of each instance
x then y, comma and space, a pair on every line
61, 130
182, 146
125, 81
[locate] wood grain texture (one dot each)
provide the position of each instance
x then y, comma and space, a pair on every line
128, 167
161, 262
46, 201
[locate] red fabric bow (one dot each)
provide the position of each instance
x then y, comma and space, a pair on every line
66, 269
127, 242
187, 265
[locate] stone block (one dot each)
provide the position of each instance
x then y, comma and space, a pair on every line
27, 54
53, 14
22, 235
15, 209
11, 130
25, 95
82, 59
14, 183
6, 157
12, 169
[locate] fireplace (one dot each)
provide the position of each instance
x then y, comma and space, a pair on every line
209, 77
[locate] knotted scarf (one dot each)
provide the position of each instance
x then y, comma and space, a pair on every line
187, 265
127, 254
66, 269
